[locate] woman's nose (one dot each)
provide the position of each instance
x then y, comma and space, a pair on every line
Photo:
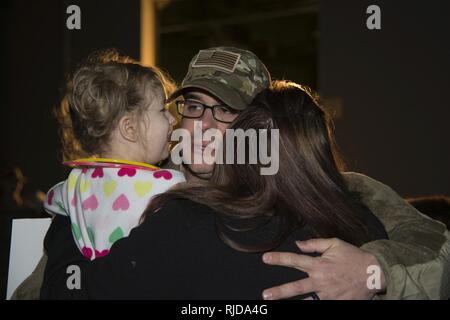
207, 119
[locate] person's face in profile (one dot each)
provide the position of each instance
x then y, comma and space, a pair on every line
207, 122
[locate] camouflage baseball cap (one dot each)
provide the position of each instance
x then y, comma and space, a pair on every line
233, 75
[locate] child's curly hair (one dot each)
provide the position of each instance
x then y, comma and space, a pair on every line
104, 88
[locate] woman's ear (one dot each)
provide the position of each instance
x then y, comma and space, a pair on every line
128, 128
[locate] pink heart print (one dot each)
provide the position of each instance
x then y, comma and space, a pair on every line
73, 202
90, 203
121, 203
50, 197
98, 172
162, 173
126, 171
99, 254
87, 252
84, 170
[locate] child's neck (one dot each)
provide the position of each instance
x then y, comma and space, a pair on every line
119, 156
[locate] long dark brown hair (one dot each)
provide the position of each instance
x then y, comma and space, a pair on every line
308, 190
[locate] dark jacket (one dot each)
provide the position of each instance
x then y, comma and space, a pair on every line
175, 253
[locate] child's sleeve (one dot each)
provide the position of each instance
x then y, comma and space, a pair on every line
177, 176
169, 178
54, 200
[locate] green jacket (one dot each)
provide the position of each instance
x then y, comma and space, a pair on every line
415, 259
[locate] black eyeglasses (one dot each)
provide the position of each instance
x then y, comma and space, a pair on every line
192, 109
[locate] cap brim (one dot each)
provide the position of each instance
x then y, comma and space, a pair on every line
219, 90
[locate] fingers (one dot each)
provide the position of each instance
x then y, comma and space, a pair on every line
317, 245
289, 290
288, 259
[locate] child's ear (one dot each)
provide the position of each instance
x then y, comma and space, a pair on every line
128, 128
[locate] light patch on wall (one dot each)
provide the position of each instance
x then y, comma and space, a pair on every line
148, 33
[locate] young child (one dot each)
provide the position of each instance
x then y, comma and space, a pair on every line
113, 116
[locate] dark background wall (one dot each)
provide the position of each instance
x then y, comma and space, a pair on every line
282, 33
39, 53
393, 84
